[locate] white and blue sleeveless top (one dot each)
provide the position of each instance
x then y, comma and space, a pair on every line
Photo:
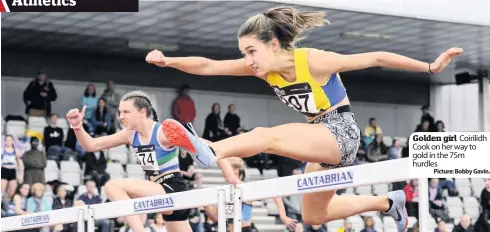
153, 157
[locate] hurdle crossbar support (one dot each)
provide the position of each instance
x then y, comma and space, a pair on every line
340, 178
221, 210
81, 220
237, 210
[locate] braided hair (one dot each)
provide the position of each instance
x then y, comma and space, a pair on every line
142, 101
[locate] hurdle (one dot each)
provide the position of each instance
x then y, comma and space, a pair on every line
340, 178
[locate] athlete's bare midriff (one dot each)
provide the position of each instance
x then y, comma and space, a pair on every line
344, 102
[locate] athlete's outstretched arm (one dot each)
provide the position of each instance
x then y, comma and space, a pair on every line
105, 142
341, 63
201, 65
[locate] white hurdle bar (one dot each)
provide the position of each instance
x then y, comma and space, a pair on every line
51, 218
340, 178
154, 204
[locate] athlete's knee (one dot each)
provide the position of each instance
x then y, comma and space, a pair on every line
111, 185
312, 217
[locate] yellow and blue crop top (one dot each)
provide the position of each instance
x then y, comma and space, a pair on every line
305, 94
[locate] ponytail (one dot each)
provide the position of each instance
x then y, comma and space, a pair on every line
287, 24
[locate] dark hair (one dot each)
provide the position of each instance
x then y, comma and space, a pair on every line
142, 101
286, 24
86, 93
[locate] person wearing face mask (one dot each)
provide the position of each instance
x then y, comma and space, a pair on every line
34, 163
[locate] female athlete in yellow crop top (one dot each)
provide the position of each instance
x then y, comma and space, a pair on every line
307, 80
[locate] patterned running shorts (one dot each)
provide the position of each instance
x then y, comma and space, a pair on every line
344, 128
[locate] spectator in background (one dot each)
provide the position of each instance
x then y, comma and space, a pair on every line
38, 203
368, 225
424, 127
61, 202
483, 223
427, 117
95, 166
371, 130
89, 100
395, 150
377, 150
91, 198
436, 204
441, 227
187, 169
38, 96
440, 127
292, 204
159, 225
214, 129
464, 225
361, 153
412, 193
34, 164
232, 120
53, 139
183, 108
17, 205
347, 227
112, 98
102, 119
11, 164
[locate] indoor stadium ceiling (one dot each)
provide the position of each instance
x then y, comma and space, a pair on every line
207, 26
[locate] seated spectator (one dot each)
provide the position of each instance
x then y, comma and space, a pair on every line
95, 166
18, 204
464, 225
412, 193
483, 223
292, 204
427, 117
159, 225
371, 130
214, 129
53, 140
436, 205
38, 203
347, 227
368, 225
395, 150
441, 227
232, 120
449, 185
61, 202
146, 225
38, 96
440, 127
11, 165
91, 198
187, 169
34, 164
89, 100
377, 150
423, 127
102, 119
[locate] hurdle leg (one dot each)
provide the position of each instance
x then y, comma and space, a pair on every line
221, 210
424, 215
81, 219
237, 203
90, 220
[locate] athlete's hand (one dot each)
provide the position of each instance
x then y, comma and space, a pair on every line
289, 222
443, 60
157, 58
75, 117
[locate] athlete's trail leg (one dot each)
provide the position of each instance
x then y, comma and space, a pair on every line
321, 207
125, 189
